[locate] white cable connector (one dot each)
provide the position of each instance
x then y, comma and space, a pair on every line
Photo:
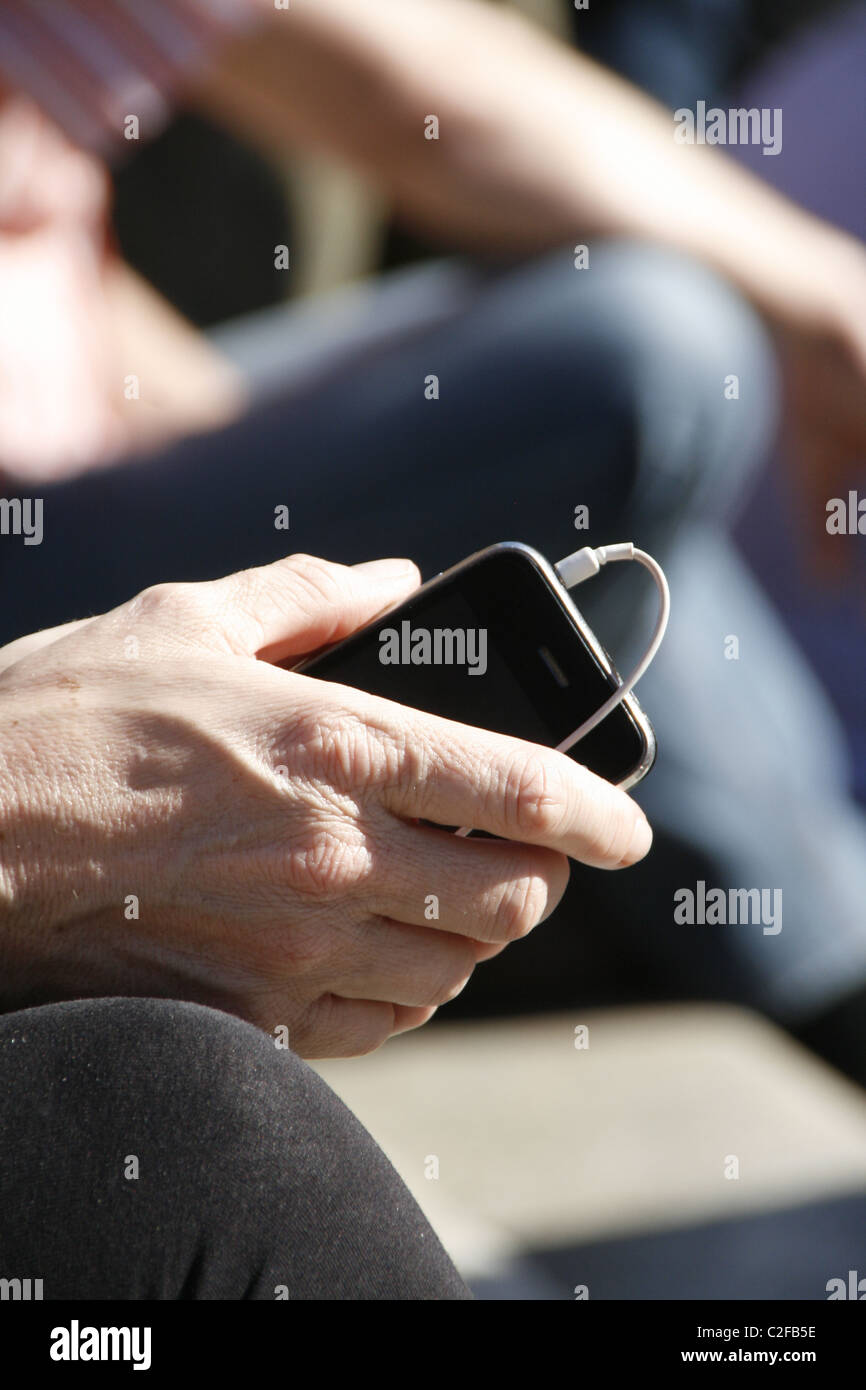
584, 564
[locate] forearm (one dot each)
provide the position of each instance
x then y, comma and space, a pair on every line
184, 384
536, 144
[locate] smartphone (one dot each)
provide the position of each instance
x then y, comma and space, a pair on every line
497, 641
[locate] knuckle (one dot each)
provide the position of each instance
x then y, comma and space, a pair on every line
331, 1029
358, 757
559, 873
460, 965
329, 861
412, 759
375, 1034
292, 954
521, 907
534, 798
345, 751
403, 760
169, 600
315, 578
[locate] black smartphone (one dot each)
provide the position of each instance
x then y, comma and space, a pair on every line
497, 642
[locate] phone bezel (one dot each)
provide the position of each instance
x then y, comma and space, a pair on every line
563, 598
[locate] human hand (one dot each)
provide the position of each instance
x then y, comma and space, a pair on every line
823, 358
181, 817
93, 363
58, 407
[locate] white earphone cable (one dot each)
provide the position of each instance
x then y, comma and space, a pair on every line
574, 570
582, 565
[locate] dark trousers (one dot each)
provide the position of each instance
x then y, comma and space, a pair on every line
159, 1150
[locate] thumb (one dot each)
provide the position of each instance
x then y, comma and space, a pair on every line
301, 603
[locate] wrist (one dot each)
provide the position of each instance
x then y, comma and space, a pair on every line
816, 280
51, 883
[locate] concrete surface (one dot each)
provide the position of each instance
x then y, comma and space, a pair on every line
539, 1143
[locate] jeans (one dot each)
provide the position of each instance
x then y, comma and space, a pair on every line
557, 387
677, 50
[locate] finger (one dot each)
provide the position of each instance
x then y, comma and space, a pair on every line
486, 950
402, 964
490, 890
453, 774
291, 607
406, 1019
337, 1027
301, 603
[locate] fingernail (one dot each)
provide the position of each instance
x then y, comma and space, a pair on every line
642, 838
386, 569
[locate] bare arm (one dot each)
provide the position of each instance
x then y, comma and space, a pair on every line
185, 384
77, 322
536, 143
539, 146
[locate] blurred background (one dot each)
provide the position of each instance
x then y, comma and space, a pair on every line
601, 1113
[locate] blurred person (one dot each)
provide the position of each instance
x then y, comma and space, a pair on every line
558, 386
682, 51
577, 149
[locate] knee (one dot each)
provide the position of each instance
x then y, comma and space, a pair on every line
672, 357
167, 1150
144, 1128
701, 373
92, 1054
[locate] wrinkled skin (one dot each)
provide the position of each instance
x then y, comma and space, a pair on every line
181, 817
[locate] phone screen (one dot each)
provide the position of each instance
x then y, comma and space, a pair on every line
492, 645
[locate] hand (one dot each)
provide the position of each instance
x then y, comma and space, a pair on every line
59, 402
181, 817
77, 322
823, 358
